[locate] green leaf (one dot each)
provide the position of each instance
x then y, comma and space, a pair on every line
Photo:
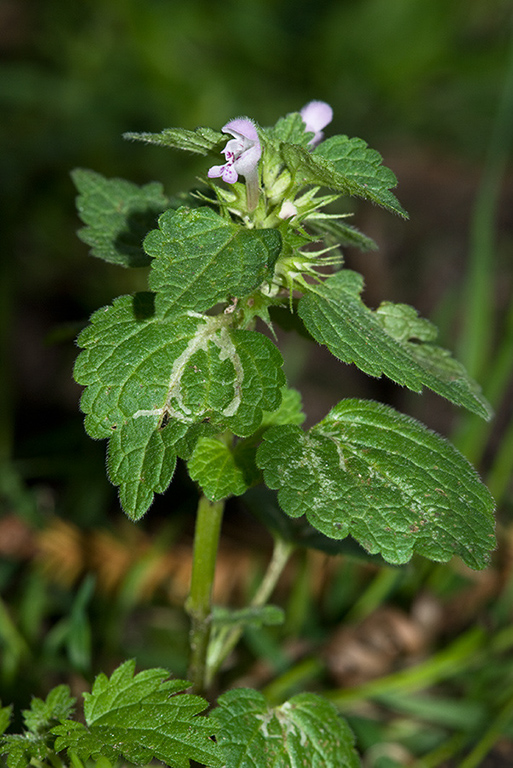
304, 731
21, 749
142, 460
384, 478
117, 215
403, 323
347, 166
291, 129
186, 445
330, 226
202, 259
150, 378
36, 742
42, 715
213, 466
200, 141
140, 718
289, 412
252, 616
244, 451
363, 167
5, 718
142, 365
391, 341
262, 502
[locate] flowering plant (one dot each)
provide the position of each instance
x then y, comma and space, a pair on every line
190, 370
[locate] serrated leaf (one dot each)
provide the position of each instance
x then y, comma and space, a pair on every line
330, 226
140, 718
289, 412
201, 259
306, 730
291, 129
385, 342
244, 451
252, 616
150, 378
21, 749
262, 502
384, 478
347, 166
355, 161
200, 141
36, 743
213, 466
141, 365
42, 715
141, 461
118, 214
403, 323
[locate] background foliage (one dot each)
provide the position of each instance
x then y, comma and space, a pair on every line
421, 82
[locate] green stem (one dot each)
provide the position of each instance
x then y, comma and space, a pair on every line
227, 642
199, 602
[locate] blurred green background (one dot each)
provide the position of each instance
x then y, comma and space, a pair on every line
420, 80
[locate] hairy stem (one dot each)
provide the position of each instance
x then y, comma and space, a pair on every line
199, 602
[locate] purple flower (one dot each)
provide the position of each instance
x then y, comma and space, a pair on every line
316, 116
242, 152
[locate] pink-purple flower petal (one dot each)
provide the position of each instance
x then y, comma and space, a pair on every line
316, 116
242, 152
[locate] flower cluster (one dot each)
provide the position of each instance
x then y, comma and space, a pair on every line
243, 152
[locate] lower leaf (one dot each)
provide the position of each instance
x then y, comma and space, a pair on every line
139, 718
306, 730
384, 478
213, 465
142, 460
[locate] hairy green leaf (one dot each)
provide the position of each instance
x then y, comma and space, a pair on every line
202, 259
391, 341
118, 215
142, 460
150, 378
200, 141
43, 714
384, 478
333, 229
291, 129
262, 502
347, 166
304, 731
289, 412
140, 718
213, 466
142, 365
36, 742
